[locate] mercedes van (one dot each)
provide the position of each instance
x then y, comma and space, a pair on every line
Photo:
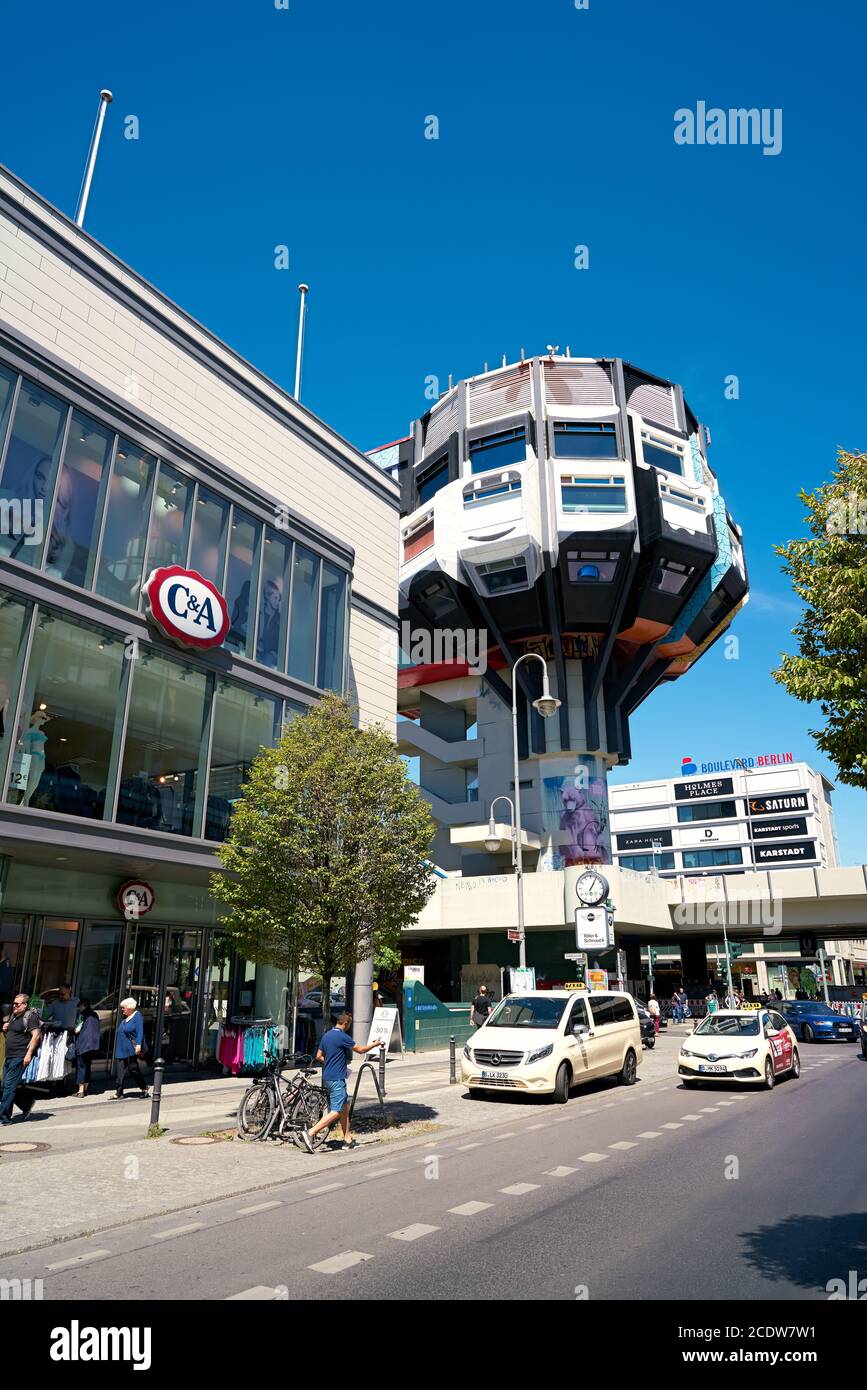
547, 1041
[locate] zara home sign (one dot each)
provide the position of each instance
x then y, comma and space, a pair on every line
187, 608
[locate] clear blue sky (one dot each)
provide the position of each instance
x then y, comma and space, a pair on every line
261, 126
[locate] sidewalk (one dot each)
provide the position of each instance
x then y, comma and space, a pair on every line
99, 1170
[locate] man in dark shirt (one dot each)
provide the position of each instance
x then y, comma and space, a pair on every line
482, 1006
335, 1048
22, 1039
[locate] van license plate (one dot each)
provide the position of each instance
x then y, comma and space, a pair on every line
706, 1068
495, 1076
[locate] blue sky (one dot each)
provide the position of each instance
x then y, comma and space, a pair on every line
305, 127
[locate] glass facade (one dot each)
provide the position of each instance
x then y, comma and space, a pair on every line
93, 508
585, 440
165, 753
244, 721
497, 450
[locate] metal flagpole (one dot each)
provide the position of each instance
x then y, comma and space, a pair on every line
105, 97
303, 290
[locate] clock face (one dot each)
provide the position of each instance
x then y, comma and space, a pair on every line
591, 888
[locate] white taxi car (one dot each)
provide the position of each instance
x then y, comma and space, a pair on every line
547, 1041
755, 1046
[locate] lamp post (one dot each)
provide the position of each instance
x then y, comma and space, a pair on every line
547, 704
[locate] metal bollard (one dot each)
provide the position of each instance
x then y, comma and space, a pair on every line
157, 1090
453, 1074
382, 1070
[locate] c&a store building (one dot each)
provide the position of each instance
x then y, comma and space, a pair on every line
188, 558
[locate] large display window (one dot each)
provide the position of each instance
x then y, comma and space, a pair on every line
78, 505
126, 525
302, 625
29, 471
165, 752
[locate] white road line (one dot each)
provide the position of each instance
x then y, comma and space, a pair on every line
79, 1259
725, 1102
518, 1189
470, 1208
462, 1148
541, 1126
591, 1158
251, 1211
383, 1172
561, 1172
623, 1144
337, 1263
672, 1124
259, 1292
177, 1231
650, 1134
327, 1187
414, 1232
594, 1111
692, 1117
708, 1109
509, 1134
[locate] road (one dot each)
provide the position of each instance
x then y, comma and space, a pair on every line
651, 1192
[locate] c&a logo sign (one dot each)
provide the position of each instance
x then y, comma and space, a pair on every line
189, 609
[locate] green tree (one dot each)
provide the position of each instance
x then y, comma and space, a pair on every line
829, 573
323, 863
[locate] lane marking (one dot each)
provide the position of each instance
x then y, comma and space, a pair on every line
623, 1144
177, 1231
591, 1158
470, 1208
462, 1148
384, 1172
561, 1172
414, 1232
509, 1134
708, 1109
337, 1263
258, 1292
327, 1187
692, 1117
541, 1126
251, 1211
725, 1102
79, 1259
673, 1124
650, 1134
518, 1189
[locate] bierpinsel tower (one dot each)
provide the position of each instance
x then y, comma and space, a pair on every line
562, 506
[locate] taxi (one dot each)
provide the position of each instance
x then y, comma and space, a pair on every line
755, 1046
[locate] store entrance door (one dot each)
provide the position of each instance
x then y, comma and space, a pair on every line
181, 995
142, 979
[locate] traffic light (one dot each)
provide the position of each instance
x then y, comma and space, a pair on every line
736, 948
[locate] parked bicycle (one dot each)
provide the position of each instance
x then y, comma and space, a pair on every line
275, 1105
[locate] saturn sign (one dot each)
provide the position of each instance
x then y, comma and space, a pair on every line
189, 609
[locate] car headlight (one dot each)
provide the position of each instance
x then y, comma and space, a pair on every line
467, 1053
752, 1052
540, 1053
685, 1052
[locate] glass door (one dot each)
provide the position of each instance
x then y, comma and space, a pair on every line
142, 980
180, 996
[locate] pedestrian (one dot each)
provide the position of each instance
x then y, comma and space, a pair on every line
129, 1047
22, 1039
87, 1040
683, 1003
482, 1006
653, 1010
712, 1002
335, 1048
63, 1009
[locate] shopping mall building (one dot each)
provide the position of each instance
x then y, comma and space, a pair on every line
188, 558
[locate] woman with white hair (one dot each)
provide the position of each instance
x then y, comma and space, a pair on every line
129, 1047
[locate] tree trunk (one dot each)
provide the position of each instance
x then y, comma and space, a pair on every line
326, 1002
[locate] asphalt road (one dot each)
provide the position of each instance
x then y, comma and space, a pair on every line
651, 1192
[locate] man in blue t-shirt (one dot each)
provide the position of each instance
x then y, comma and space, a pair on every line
335, 1048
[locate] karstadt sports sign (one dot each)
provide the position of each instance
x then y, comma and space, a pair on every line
188, 608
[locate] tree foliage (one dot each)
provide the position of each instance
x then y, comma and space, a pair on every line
324, 859
829, 573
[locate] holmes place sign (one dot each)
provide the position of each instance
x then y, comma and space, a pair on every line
189, 609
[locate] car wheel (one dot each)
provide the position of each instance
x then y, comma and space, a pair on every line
650, 1042
808, 1034
795, 1069
629, 1070
561, 1084
769, 1074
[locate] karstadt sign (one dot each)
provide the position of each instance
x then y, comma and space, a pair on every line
188, 608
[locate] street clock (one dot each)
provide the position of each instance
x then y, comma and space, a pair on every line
592, 888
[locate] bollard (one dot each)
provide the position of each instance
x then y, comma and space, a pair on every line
382, 1070
453, 1075
157, 1090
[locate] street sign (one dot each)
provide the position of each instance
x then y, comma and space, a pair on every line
597, 979
522, 979
594, 929
382, 1026
515, 935
807, 944
414, 972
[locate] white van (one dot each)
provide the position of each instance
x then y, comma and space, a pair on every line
547, 1041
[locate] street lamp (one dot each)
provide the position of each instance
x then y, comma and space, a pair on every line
492, 839
547, 704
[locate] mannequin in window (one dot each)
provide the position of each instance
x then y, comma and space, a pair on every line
32, 747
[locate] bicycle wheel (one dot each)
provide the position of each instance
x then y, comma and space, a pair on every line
310, 1106
255, 1113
